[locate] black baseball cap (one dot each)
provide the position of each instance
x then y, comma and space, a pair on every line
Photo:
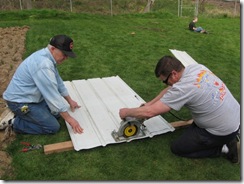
63, 43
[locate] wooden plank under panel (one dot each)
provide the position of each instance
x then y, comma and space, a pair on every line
68, 145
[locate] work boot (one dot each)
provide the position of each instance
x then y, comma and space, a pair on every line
6, 119
234, 150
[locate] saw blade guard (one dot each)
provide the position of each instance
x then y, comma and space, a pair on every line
129, 127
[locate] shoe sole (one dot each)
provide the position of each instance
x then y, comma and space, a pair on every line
5, 116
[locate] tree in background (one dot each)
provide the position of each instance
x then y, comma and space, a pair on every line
149, 6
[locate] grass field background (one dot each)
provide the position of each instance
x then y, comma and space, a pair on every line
105, 47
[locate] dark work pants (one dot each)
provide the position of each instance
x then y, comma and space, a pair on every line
196, 142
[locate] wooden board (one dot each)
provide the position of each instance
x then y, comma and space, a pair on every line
58, 147
181, 124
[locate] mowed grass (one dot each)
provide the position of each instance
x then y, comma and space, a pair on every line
128, 46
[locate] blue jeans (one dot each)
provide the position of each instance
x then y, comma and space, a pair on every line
198, 29
196, 142
38, 119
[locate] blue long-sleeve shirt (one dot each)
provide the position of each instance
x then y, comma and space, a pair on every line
37, 79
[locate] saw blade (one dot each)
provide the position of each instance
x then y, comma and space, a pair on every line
130, 130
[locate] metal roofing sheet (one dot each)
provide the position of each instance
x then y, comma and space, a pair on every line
100, 100
183, 57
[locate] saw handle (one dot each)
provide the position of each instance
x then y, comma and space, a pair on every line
129, 119
133, 119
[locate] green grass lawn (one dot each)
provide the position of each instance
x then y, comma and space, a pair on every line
105, 47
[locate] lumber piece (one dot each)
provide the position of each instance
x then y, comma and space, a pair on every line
58, 147
180, 124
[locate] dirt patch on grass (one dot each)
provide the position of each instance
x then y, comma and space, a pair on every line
12, 48
5, 161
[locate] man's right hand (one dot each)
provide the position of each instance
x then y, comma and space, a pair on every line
76, 126
73, 122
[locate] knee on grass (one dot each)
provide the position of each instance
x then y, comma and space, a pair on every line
52, 129
177, 149
174, 149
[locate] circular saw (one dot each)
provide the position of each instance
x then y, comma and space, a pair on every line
129, 128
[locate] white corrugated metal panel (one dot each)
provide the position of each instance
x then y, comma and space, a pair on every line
183, 57
100, 100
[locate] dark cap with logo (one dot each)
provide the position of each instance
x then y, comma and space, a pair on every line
63, 43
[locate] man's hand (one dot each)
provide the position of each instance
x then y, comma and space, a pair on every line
72, 121
76, 126
123, 113
73, 105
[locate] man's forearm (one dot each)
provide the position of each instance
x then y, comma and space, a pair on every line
145, 112
65, 115
157, 98
67, 98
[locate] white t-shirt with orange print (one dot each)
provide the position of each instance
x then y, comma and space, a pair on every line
209, 100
